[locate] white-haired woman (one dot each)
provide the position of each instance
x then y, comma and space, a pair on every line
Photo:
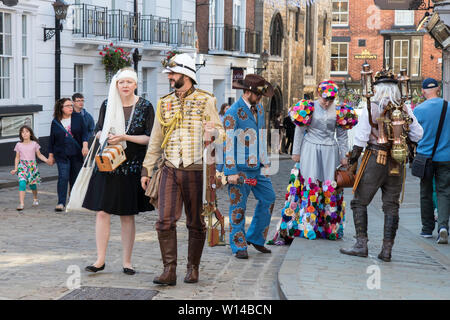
126, 119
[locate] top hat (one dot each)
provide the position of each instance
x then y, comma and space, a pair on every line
385, 76
256, 84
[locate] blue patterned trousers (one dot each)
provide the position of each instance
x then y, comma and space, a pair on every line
257, 232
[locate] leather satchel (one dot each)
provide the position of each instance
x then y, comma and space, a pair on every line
422, 166
153, 186
345, 175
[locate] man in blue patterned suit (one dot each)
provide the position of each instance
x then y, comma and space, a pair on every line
245, 156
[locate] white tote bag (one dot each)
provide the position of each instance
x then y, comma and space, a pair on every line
80, 186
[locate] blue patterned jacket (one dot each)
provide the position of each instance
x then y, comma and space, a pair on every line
245, 147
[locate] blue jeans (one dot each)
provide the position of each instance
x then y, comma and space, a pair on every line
67, 174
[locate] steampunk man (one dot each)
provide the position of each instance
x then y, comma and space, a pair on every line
381, 170
178, 133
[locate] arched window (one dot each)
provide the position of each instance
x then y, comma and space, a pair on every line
276, 35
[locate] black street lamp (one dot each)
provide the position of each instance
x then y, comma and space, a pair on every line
60, 8
264, 58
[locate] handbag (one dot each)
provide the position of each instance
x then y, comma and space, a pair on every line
345, 175
79, 189
153, 186
110, 157
422, 166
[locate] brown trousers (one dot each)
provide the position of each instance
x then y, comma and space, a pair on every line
178, 188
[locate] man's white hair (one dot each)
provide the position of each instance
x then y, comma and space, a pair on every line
385, 93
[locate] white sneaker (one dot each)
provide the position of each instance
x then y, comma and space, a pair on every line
443, 236
35, 203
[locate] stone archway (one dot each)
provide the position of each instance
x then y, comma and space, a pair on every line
276, 106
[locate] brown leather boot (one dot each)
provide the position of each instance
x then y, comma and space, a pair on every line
390, 231
195, 250
360, 247
386, 250
168, 246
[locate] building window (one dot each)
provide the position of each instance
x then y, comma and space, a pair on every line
415, 58
404, 17
387, 54
309, 40
78, 78
400, 55
276, 36
339, 58
297, 18
340, 13
5, 55
361, 43
10, 125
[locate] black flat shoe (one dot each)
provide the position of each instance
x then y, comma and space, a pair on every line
129, 271
94, 268
260, 248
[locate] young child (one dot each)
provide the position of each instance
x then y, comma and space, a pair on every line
25, 164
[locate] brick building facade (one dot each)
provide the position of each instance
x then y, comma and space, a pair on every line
362, 32
302, 58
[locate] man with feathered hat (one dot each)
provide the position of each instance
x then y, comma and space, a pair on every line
381, 171
178, 132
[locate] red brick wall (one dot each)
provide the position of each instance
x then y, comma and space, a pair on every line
202, 24
250, 15
228, 12
362, 25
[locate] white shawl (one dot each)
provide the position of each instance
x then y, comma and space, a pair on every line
114, 122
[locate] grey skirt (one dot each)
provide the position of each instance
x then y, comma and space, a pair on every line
318, 161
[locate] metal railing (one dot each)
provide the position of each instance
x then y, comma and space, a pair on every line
91, 21
224, 37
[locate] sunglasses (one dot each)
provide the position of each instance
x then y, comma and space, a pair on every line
172, 64
329, 98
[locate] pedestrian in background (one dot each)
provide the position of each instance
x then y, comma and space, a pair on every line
429, 114
25, 164
67, 147
223, 108
289, 128
126, 119
78, 107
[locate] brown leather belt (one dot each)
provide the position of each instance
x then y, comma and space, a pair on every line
376, 147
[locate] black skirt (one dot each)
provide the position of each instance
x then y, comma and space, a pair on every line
116, 194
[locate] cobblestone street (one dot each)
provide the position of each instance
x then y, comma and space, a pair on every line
38, 246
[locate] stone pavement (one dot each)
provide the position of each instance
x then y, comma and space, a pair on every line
315, 269
41, 252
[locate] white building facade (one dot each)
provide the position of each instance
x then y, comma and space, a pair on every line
27, 62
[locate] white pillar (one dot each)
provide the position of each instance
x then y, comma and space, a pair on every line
442, 7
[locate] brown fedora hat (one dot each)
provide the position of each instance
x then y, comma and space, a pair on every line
256, 84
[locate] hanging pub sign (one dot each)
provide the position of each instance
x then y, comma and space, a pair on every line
399, 4
366, 55
238, 74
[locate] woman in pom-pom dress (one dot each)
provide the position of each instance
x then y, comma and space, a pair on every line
314, 206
